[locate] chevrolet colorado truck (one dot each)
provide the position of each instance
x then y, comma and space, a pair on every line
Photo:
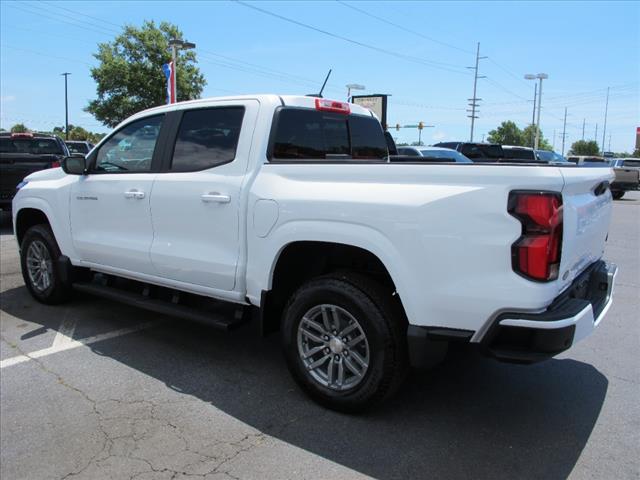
288, 210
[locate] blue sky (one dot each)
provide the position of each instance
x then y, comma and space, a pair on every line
584, 47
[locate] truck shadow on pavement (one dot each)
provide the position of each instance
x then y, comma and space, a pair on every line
469, 418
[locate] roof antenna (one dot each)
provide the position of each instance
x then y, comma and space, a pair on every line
319, 95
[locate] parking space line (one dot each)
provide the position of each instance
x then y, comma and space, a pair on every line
65, 333
71, 344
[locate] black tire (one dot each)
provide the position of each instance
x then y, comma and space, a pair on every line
617, 195
57, 291
383, 323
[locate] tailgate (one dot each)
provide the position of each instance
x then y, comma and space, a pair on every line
587, 210
626, 175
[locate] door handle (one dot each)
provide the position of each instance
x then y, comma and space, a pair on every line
215, 197
134, 194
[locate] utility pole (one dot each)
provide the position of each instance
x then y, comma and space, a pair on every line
609, 143
66, 107
474, 101
604, 129
564, 129
583, 123
553, 146
596, 135
540, 77
533, 117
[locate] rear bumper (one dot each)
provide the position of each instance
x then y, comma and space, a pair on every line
527, 338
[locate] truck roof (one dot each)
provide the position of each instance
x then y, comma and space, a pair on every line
284, 100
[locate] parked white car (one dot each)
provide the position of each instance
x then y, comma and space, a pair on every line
289, 207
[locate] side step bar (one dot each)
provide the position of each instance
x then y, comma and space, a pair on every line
216, 320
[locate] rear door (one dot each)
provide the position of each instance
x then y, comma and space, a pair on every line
109, 207
196, 200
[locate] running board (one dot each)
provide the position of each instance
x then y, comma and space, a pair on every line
220, 321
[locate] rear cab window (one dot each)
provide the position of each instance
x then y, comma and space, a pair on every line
31, 146
312, 135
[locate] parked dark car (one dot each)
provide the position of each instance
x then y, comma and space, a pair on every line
476, 152
430, 154
79, 147
22, 154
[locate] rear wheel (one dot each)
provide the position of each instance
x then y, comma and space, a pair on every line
617, 195
345, 342
39, 255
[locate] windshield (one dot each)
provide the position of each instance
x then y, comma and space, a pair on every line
548, 156
449, 155
33, 146
79, 147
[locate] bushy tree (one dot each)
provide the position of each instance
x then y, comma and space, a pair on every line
507, 133
19, 128
585, 147
529, 138
130, 77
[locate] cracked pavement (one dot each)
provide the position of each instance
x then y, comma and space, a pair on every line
180, 401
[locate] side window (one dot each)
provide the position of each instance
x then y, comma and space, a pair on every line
408, 152
131, 148
207, 138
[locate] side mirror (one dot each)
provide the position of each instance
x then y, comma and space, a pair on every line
74, 165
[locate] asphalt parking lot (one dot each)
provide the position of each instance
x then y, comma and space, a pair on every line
95, 389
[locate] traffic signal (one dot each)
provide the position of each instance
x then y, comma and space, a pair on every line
420, 126
397, 127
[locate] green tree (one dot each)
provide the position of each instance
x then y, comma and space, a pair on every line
19, 128
529, 138
585, 147
507, 133
130, 78
78, 133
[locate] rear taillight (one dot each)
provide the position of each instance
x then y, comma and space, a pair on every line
536, 254
55, 164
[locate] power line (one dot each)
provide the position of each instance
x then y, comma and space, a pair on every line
57, 6
31, 12
421, 61
388, 22
48, 55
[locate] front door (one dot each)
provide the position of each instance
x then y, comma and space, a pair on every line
109, 207
196, 202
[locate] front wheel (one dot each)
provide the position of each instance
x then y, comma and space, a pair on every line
39, 254
345, 341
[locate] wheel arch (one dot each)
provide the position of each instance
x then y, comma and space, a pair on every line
300, 260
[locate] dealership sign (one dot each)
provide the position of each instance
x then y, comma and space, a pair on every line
376, 103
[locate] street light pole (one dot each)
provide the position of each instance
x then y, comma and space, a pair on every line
176, 45
66, 107
353, 86
604, 128
564, 129
533, 117
540, 77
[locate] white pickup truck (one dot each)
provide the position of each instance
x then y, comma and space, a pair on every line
288, 210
